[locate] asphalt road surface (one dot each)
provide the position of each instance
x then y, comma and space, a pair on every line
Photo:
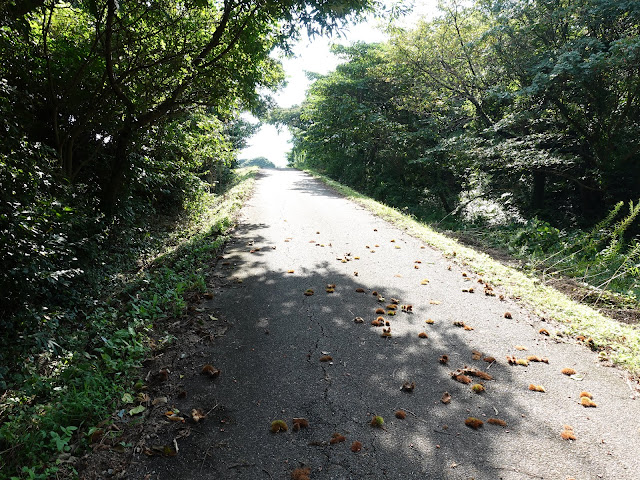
295, 234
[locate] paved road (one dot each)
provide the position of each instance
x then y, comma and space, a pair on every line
271, 368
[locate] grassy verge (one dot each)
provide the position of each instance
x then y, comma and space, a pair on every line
49, 414
616, 342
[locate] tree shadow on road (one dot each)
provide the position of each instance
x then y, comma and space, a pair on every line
271, 369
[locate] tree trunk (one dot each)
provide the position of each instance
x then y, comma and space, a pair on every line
119, 167
538, 192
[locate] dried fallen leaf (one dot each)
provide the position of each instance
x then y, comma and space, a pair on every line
535, 358
497, 421
567, 433
476, 355
435, 302
473, 422
461, 324
543, 331
290, 271
163, 450
210, 371
386, 332
408, 386
173, 417
429, 321
299, 423
462, 378
423, 335
401, 414
380, 311
360, 290
337, 438
308, 292
474, 372
446, 398
520, 347
517, 361
326, 358
444, 359
407, 308
358, 320
587, 402
197, 415
356, 446
489, 359
586, 394
568, 371
508, 315
537, 388
301, 474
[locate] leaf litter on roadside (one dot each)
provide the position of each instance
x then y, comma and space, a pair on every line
210, 371
299, 423
302, 473
198, 415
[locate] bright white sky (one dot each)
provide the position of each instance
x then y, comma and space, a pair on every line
314, 56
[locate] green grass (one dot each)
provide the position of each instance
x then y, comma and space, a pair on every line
616, 342
48, 413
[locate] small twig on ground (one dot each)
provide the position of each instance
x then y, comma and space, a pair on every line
204, 457
214, 407
238, 465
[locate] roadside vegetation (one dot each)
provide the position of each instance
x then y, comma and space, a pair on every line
101, 330
120, 126
512, 124
262, 162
